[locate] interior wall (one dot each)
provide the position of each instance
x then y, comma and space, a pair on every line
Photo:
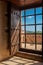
15, 19
3, 34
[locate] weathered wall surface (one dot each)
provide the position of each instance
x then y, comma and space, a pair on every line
4, 52
3, 35
15, 19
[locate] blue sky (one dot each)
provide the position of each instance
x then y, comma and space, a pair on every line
31, 19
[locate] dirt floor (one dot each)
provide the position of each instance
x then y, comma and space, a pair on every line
20, 61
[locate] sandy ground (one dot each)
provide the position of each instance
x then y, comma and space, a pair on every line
32, 46
30, 41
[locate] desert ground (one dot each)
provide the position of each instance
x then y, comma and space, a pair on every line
30, 41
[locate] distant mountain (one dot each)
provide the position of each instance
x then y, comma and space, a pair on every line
30, 32
39, 32
33, 32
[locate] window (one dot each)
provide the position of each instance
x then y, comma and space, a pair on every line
39, 19
39, 10
22, 21
31, 26
39, 29
22, 13
30, 20
30, 29
22, 29
22, 38
29, 12
39, 37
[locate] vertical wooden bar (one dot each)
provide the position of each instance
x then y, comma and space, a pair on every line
35, 26
42, 31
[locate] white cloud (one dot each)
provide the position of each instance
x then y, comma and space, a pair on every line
30, 17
